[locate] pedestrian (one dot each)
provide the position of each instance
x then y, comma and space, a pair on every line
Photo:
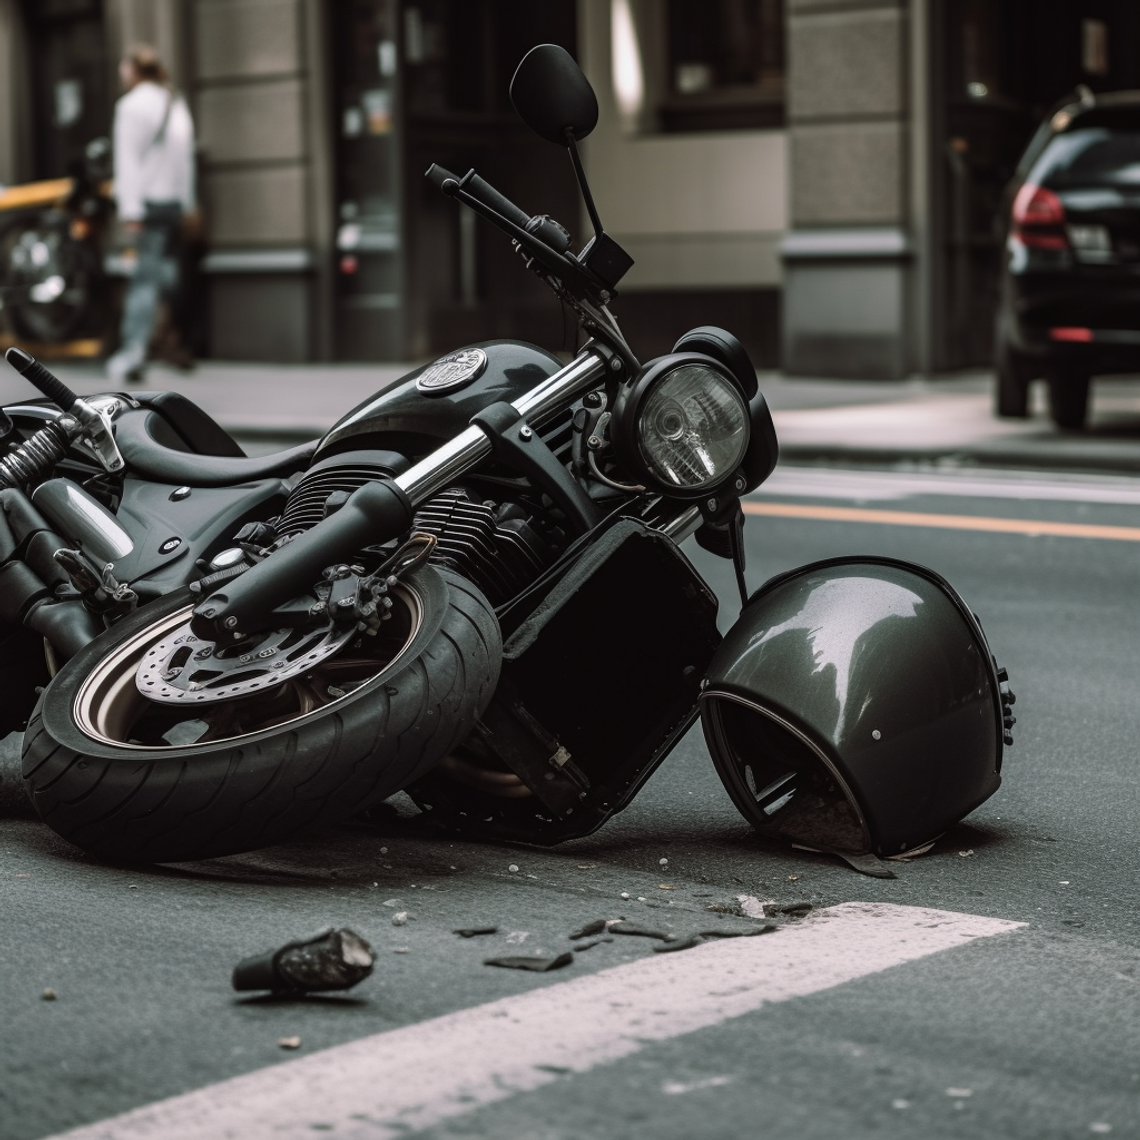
153, 141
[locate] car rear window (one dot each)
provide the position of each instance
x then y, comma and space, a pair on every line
1093, 156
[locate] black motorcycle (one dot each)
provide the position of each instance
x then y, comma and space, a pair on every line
470, 589
53, 236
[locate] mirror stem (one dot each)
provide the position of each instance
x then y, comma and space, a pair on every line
580, 174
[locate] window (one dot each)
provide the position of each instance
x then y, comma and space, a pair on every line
724, 65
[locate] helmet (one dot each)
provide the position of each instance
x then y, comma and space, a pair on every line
855, 707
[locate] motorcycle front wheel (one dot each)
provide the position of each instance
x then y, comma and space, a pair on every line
129, 778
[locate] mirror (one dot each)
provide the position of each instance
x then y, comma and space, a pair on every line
551, 94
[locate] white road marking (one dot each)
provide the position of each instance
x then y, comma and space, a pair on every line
870, 486
408, 1079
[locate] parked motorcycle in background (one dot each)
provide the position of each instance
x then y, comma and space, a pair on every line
53, 236
470, 589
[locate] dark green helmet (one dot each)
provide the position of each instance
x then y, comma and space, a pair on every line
855, 706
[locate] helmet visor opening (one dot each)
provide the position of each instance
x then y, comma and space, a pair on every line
779, 781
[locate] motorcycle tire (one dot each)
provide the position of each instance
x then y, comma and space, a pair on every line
79, 310
415, 699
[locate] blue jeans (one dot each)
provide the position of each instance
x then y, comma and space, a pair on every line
156, 275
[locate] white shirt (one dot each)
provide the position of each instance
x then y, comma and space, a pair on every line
147, 170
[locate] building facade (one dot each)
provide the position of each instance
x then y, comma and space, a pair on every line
822, 176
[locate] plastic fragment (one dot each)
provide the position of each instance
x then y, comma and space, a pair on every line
329, 960
687, 943
748, 905
526, 962
866, 865
637, 931
589, 945
475, 931
791, 909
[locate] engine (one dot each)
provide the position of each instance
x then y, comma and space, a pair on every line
488, 533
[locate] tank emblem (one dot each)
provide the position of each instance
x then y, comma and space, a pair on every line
452, 371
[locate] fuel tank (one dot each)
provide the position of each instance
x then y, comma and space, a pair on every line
434, 403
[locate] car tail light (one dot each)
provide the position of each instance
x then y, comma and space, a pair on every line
1071, 334
1038, 216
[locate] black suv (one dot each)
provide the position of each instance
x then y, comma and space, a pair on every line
1070, 289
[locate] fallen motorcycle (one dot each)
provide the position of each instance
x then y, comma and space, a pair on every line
470, 589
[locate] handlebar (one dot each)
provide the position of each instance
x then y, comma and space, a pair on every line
35, 373
564, 272
480, 189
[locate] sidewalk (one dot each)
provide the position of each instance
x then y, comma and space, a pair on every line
940, 421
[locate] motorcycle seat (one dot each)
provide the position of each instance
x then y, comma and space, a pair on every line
151, 449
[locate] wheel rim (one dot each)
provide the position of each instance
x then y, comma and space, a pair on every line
110, 708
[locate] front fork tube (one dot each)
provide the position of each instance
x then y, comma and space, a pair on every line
373, 514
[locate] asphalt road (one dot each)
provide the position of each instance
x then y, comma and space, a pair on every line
1028, 1032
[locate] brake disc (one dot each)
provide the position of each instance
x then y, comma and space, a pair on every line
183, 668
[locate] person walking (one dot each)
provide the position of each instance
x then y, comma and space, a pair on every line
153, 140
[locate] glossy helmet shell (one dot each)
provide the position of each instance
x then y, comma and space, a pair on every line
855, 706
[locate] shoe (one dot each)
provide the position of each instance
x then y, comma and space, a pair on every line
126, 366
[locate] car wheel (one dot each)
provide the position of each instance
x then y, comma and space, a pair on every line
1011, 395
1068, 397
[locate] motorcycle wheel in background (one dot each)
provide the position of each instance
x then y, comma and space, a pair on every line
65, 278
126, 777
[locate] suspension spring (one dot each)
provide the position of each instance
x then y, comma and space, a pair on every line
35, 456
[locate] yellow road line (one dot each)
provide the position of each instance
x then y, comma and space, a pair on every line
945, 522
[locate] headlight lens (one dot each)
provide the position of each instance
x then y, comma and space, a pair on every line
692, 427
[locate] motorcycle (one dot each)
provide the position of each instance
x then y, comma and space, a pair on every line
52, 234
470, 589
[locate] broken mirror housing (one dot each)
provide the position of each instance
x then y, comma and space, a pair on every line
855, 707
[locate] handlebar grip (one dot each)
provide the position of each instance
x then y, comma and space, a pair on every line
35, 373
437, 176
486, 193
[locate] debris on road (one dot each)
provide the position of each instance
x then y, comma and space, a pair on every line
289, 1042
701, 936
747, 905
527, 962
475, 931
590, 945
400, 918
790, 909
596, 927
689, 941
49, 994
329, 960
622, 927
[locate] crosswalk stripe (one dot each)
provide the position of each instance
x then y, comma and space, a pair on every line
409, 1079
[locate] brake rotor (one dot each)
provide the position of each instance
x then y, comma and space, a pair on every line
181, 667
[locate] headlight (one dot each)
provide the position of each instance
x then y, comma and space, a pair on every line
682, 426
